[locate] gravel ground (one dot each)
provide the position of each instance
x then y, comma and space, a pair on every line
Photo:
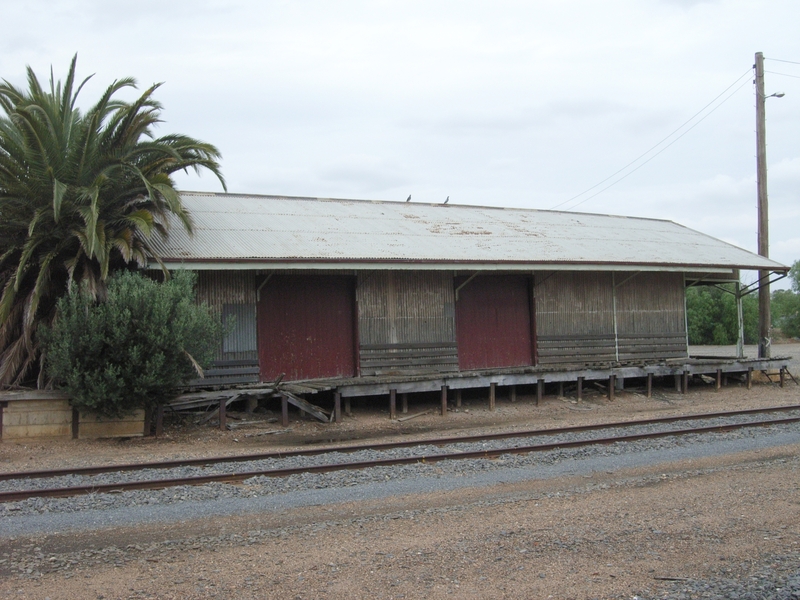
711, 518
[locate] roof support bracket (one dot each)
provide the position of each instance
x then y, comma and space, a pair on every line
470, 278
627, 279
263, 283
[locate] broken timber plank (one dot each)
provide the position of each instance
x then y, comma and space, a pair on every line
312, 409
414, 416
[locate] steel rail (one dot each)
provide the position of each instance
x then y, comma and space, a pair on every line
441, 441
11, 496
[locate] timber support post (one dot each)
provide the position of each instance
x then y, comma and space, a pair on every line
337, 407
539, 390
284, 411
458, 398
160, 420
492, 392
223, 422
76, 423
347, 410
513, 393
685, 382
560, 389
404, 403
718, 380
580, 389
749, 378
444, 400
783, 376
612, 382
392, 404
649, 385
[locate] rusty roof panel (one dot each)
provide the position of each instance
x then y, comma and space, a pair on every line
233, 228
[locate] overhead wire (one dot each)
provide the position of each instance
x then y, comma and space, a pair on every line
641, 156
783, 74
791, 62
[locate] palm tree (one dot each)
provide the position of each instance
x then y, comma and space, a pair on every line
81, 194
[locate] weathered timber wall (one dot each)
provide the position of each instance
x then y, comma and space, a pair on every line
38, 418
406, 322
574, 317
232, 294
597, 317
650, 315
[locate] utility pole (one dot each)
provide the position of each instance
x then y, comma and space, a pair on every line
764, 326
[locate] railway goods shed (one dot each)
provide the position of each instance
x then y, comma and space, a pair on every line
371, 297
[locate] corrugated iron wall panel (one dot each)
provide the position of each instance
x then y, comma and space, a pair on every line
406, 321
650, 316
493, 316
306, 327
574, 317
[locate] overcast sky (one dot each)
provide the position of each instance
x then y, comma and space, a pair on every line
501, 103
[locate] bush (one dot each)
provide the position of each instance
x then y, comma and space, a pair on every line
133, 349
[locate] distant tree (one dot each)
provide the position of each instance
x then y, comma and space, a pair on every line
81, 194
785, 305
712, 316
133, 349
786, 312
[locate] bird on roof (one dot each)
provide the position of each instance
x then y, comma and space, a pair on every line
409, 198
448, 200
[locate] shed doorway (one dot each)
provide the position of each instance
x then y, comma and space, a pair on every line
306, 327
493, 322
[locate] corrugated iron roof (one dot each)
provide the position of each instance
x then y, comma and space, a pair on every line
235, 229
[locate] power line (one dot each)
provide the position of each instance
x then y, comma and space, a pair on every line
638, 158
791, 62
783, 74
662, 149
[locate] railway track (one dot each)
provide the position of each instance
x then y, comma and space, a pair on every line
239, 476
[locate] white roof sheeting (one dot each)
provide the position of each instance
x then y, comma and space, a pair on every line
237, 231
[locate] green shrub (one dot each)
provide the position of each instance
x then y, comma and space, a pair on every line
133, 349
712, 316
